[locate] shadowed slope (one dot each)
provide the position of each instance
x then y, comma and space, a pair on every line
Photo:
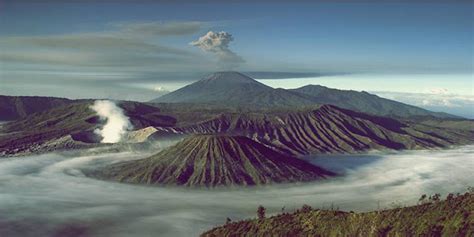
70, 126
213, 160
16, 107
329, 129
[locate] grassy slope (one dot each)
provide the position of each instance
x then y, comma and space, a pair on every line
214, 160
446, 218
26, 134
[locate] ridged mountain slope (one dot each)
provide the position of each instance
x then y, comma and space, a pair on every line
328, 129
215, 160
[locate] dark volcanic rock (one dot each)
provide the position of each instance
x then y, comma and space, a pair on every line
329, 129
214, 160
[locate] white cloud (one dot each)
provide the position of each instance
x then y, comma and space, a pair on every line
160, 28
122, 47
439, 98
160, 89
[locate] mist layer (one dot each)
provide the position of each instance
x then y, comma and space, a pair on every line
49, 195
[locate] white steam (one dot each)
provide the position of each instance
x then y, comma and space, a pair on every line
116, 124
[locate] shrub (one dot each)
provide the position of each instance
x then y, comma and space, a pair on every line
261, 212
306, 208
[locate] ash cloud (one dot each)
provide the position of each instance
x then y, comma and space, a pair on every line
217, 43
116, 124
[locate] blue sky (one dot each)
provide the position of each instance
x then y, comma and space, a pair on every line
125, 49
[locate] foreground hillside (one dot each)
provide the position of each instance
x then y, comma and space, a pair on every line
452, 217
214, 160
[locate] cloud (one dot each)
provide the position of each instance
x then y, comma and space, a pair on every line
436, 100
87, 42
160, 89
159, 28
218, 44
437, 97
122, 47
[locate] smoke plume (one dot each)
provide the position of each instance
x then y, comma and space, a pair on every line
218, 44
116, 123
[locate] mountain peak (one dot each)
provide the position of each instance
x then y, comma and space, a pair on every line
229, 77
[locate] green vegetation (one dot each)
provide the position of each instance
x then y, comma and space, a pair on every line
451, 217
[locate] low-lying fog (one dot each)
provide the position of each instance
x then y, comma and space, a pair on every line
48, 194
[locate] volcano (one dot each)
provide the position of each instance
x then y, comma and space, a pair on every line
215, 160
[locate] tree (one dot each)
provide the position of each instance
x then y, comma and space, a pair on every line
450, 197
261, 212
436, 197
422, 199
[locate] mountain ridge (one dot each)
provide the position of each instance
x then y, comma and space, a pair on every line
329, 129
237, 89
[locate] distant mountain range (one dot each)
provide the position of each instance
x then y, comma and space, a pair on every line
233, 89
214, 160
236, 89
322, 129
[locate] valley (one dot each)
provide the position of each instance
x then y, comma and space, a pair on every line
49, 195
